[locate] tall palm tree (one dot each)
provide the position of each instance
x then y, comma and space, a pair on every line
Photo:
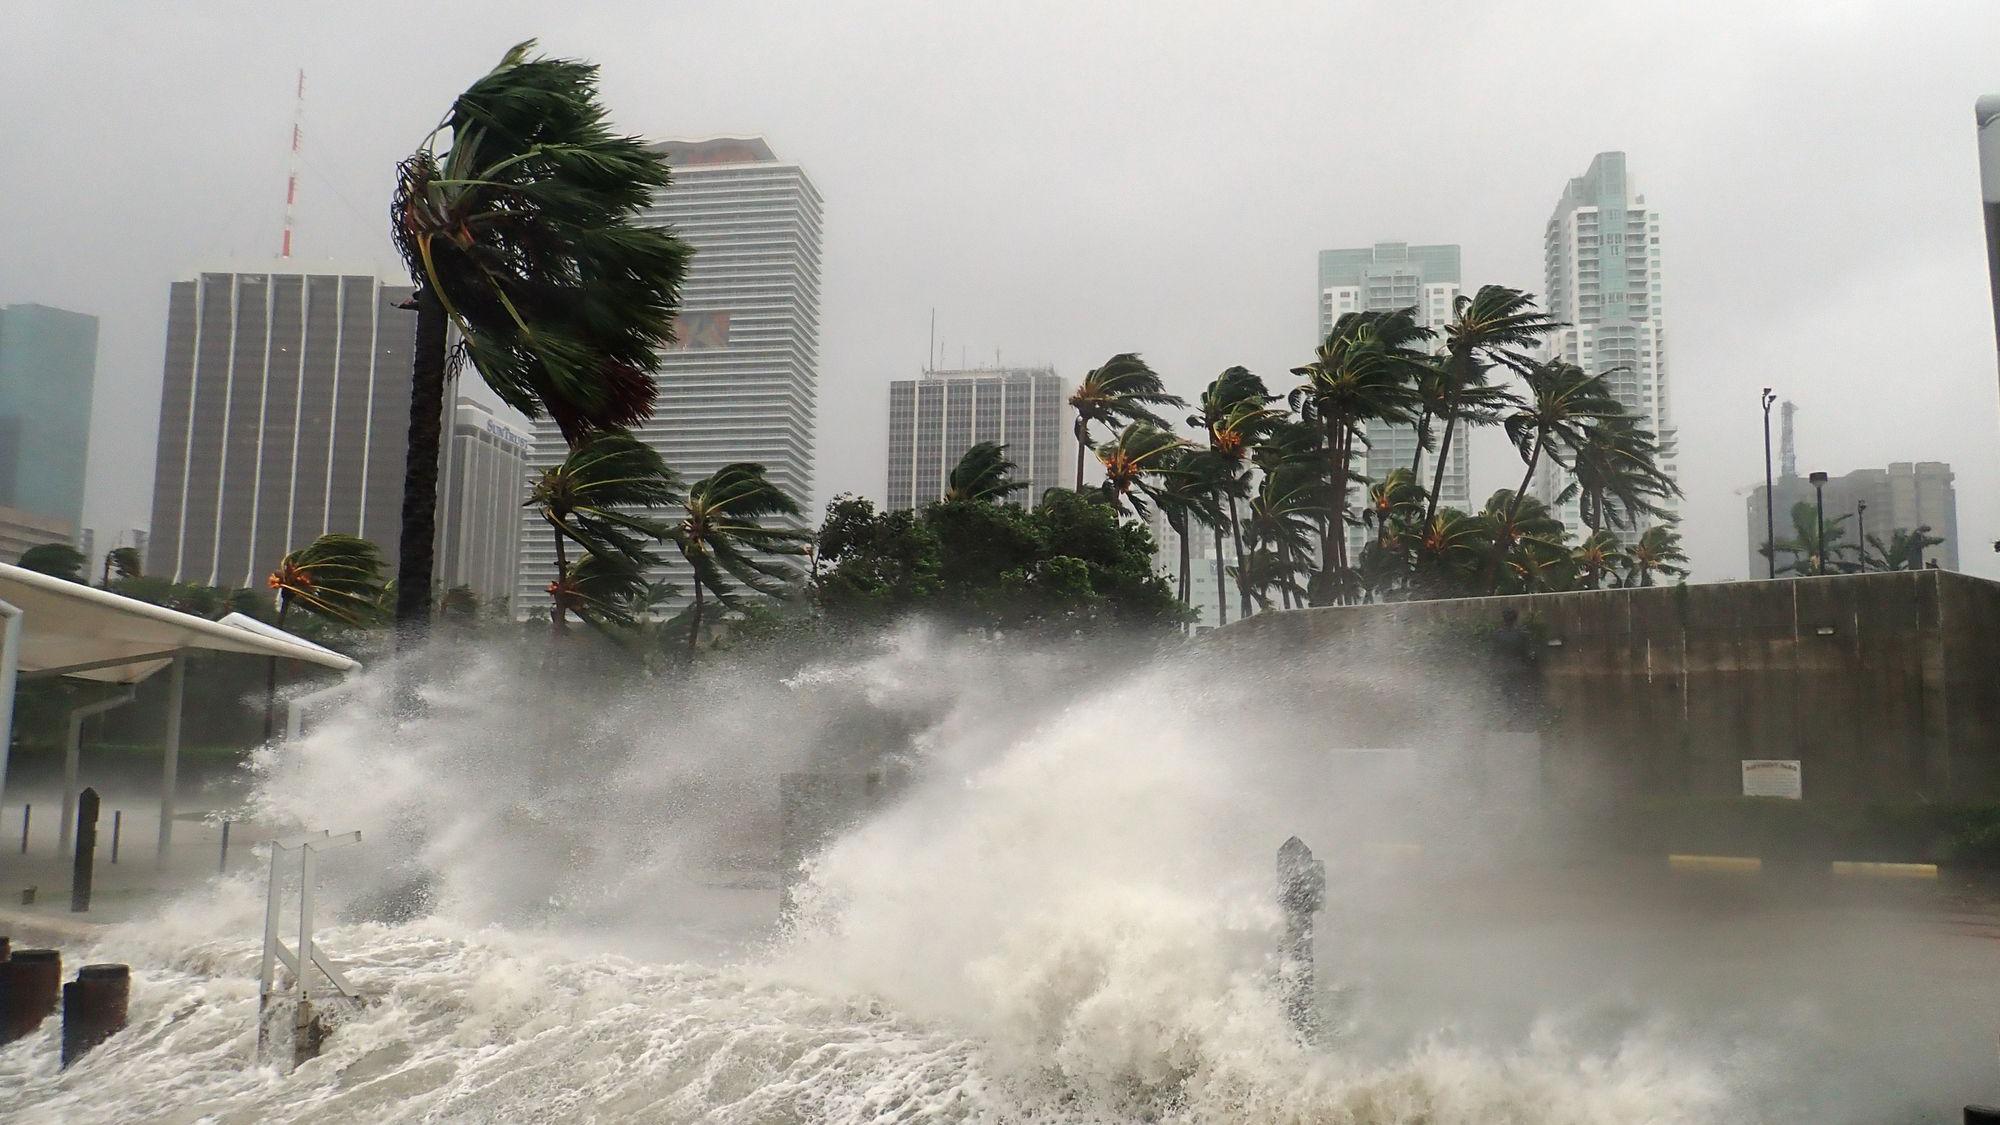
1803, 546
1562, 401
1234, 413
722, 537
1395, 508
335, 577
1496, 325
595, 498
1132, 461
982, 474
1448, 552
1186, 484
1530, 545
1364, 371
1658, 551
1616, 475
1287, 506
523, 237
1123, 390
1439, 398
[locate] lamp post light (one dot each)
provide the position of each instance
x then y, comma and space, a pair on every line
1770, 518
1819, 508
1861, 530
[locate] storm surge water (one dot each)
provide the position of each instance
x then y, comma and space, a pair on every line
565, 909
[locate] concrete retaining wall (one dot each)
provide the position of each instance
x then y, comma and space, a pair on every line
1886, 687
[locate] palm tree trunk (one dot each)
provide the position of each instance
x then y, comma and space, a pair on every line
558, 616
1534, 455
1444, 458
1221, 587
420, 468
1236, 544
1080, 430
1423, 434
1187, 565
694, 624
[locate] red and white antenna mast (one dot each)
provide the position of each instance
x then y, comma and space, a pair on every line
292, 179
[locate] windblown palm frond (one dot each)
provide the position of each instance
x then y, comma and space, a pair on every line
1658, 551
1495, 326
1139, 452
1124, 390
982, 474
337, 577
724, 539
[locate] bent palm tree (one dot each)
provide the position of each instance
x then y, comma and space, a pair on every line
1658, 551
592, 499
1289, 503
1599, 555
123, 562
335, 577
1139, 452
1803, 546
1123, 390
1616, 476
522, 236
1496, 325
722, 535
982, 475
1186, 484
1904, 550
1234, 412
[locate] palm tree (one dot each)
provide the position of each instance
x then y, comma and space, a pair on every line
1904, 550
1658, 551
981, 474
1803, 546
593, 498
1283, 512
1140, 452
1496, 325
1600, 554
335, 577
1562, 401
722, 536
1438, 397
122, 561
1530, 545
1363, 372
1185, 484
58, 560
1616, 475
1234, 412
1123, 390
1395, 508
1447, 553
522, 236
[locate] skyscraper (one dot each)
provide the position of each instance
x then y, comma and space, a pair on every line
480, 490
284, 415
48, 368
935, 419
1601, 257
1383, 278
743, 383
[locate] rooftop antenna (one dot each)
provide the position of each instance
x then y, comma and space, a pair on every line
930, 353
292, 176
1788, 454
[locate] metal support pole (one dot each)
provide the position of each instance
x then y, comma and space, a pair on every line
72, 759
1770, 495
170, 772
27, 814
10, 673
1861, 531
117, 823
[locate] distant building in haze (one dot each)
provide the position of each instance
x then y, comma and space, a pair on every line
48, 370
21, 530
743, 382
933, 420
1202, 553
1905, 496
480, 490
1601, 257
284, 415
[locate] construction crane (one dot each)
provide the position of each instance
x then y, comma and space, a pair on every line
1788, 453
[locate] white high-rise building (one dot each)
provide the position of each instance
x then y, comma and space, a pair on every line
1601, 254
935, 419
481, 486
1383, 278
743, 382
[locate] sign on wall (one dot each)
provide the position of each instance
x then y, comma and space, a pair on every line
1772, 777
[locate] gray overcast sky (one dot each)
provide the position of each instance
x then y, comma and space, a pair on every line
1067, 180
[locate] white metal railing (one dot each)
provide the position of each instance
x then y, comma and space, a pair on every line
300, 961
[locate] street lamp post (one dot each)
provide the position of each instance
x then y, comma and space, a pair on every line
1770, 518
1861, 530
1819, 508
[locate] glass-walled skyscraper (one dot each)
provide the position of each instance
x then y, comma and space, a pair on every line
48, 368
1601, 258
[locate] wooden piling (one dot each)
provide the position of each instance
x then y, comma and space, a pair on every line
83, 866
31, 983
94, 1008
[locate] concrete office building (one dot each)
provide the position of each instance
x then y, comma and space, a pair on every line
480, 490
48, 369
1906, 495
933, 420
21, 530
284, 415
742, 383
1601, 259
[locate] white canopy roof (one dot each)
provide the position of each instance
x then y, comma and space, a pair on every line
78, 630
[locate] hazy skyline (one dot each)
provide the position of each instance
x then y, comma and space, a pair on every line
1062, 182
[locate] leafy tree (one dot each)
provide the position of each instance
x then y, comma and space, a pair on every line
1363, 371
1904, 550
983, 474
122, 561
523, 237
58, 560
882, 563
1448, 554
593, 498
723, 538
1235, 414
1658, 551
1395, 509
1123, 390
1494, 326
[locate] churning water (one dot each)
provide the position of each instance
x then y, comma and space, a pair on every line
1067, 916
